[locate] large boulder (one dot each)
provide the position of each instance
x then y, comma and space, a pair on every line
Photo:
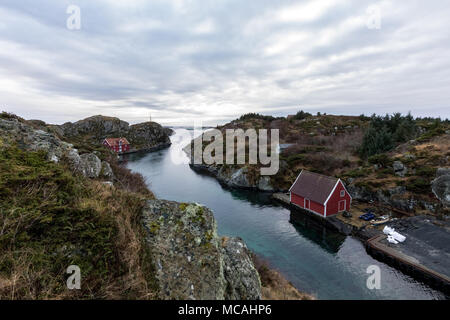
399, 168
240, 274
190, 259
106, 171
441, 186
90, 165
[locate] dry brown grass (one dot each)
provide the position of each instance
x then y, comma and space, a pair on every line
274, 285
135, 281
126, 208
50, 219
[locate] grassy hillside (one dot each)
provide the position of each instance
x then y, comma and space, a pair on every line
51, 218
359, 149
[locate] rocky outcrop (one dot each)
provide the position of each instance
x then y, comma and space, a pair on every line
393, 197
169, 131
143, 136
191, 260
148, 135
399, 168
442, 172
98, 126
441, 186
231, 176
264, 184
27, 137
107, 171
242, 279
235, 177
90, 165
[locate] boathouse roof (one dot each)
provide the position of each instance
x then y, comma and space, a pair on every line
313, 186
116, 141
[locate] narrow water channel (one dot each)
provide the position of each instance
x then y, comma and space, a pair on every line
315, 259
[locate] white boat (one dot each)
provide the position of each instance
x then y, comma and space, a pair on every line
393, 234
392, 240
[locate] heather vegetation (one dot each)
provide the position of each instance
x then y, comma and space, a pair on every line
51, 218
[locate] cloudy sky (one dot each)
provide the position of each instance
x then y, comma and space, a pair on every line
180, 60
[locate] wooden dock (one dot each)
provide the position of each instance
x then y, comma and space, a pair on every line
379, 248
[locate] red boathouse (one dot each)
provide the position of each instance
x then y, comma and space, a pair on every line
322, 195
118, 145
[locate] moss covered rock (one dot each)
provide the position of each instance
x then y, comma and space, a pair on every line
191, 260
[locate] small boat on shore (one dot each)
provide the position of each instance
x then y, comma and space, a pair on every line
381, 220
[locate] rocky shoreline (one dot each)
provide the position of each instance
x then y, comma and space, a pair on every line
235, 178
161, 146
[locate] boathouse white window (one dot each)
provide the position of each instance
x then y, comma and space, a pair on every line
342, 193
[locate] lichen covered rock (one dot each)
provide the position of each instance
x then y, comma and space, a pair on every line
107, 171
190, 259
240, 274
90, 165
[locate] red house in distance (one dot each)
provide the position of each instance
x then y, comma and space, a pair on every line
118, 145
319, 194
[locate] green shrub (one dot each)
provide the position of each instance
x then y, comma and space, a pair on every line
418, 185
297, 158
302, 115
357, 173
426, 171
381, 159
250, 116
434, 132
384, 133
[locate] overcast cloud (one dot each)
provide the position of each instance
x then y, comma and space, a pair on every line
215, 60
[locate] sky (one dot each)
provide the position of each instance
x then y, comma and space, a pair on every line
180, 61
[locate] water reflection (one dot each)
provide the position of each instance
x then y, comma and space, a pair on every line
311, 229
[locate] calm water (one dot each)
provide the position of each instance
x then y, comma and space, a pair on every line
314, 259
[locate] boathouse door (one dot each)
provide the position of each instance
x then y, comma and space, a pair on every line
342, 205
307, 204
